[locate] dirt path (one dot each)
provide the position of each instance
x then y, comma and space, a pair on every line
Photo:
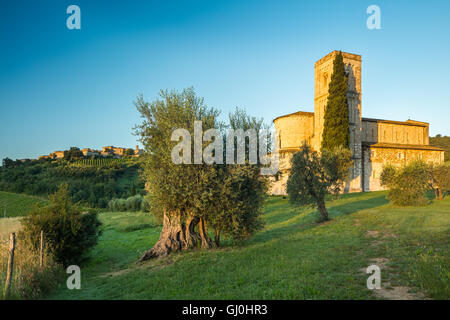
387, 290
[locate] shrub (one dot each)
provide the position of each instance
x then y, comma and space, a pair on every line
122, 204
388, 175
407, 184
69, 233
135, 203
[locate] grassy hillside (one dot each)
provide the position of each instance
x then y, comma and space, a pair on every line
92, 182
292, 258
17, 205
8, 225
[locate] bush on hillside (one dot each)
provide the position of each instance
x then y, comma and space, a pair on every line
407, 184
69, 233
135, 203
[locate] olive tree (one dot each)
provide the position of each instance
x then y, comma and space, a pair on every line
314, 175
189, 197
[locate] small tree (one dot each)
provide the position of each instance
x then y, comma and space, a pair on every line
69, 233
407, 184
7, 163
336, 130
314, 175
440, 179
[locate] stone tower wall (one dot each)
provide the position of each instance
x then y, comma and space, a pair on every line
323, 70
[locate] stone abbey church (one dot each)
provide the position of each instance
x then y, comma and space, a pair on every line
374, 142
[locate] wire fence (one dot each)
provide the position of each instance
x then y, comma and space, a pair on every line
24, 268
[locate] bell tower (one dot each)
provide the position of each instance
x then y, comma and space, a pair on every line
323, 70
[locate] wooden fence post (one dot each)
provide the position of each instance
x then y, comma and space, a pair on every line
41, 257
12, 247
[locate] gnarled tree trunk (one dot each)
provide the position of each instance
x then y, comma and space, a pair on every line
189, 236
176, 235
203, 231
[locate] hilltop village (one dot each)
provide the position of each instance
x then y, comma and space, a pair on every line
106, 152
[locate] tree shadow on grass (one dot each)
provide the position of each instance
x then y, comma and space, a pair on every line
283, 219
355, 206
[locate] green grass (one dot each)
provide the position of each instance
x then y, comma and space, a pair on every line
8, 225
18, 205
292, 258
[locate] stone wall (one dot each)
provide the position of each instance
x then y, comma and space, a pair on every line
386, 131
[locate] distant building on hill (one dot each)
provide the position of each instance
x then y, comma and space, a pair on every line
138, 152
117, 152
56, 155
109, 151
88, 152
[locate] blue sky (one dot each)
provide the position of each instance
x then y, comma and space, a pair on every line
62, 88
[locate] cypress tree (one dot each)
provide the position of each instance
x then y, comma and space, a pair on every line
336, 119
